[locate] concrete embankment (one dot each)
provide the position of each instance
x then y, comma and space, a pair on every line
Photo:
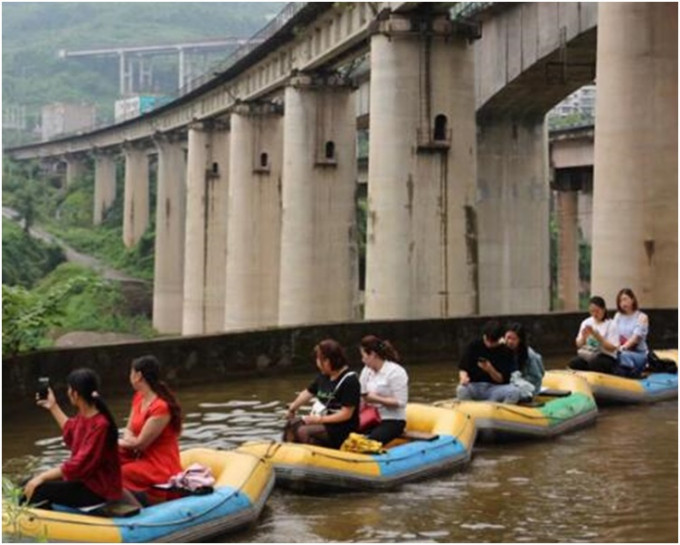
218, 358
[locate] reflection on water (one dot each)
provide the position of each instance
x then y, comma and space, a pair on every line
615, 481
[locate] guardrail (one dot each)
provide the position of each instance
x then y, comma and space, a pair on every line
285, 15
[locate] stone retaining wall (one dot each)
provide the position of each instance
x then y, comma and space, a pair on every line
217, 358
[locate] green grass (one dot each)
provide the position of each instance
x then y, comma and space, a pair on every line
100, 306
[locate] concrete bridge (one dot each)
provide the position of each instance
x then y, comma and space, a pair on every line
257, 170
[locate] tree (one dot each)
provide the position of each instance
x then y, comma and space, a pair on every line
26, 317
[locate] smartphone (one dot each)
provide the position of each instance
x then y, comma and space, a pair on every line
43, 385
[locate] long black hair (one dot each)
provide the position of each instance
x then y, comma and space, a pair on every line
384, 349
86, 382
522, 353
150, 368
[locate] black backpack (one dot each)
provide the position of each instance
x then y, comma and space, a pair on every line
655, 364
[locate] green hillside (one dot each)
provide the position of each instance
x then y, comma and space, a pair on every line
34, 32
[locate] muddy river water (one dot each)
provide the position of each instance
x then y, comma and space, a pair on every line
616, 481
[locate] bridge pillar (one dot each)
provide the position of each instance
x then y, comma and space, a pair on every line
567, 250
635, 195
421, 254
319, 268
205, 240
76, 168
136, 202
104, 185
253, 218
512, 215
168, 278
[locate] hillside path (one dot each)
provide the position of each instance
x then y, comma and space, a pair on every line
72, 255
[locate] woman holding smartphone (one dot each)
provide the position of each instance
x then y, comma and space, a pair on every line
91, 475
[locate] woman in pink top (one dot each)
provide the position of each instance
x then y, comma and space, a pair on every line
150, 444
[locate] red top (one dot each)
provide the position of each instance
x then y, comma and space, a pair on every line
160, 460
92, 462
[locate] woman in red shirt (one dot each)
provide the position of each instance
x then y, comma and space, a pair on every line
149, 448
92, 474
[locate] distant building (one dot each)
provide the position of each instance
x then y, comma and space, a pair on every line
14, 117
61, 118
580, 104
127, 108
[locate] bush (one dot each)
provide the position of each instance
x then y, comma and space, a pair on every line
25, 260
99, 306
27, 316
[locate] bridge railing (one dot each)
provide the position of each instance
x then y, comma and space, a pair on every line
467, 10
285, 15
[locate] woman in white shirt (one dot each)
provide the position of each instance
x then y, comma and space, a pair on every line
384, 384
597, 341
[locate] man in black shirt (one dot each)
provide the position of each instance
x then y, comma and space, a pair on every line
484, 371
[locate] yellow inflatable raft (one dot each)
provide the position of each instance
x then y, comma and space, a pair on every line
654, 387
243, 484
441, 440
567, 403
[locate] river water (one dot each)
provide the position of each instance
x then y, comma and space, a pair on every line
616, 481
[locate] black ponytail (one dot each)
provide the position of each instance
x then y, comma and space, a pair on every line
86, 382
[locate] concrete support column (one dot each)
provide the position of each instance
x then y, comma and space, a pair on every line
512, 215
205, 239
136, 202
253, 218
193, 320
104, 185
217, 195
168, 282
635, 195
567, 250
319, 269
76, 168
421, 253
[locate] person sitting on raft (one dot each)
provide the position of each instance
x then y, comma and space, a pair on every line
529, 362
91, 475
149, 448
633, 327
337, 390
485, 368
384, 384
597, 341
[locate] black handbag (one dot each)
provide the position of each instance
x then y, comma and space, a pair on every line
655, 364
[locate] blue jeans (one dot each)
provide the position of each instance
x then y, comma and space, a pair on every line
486, 391
632, 360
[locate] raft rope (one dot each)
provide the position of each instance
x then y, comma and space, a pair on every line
133, 525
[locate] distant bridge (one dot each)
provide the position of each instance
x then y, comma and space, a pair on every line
127, 54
